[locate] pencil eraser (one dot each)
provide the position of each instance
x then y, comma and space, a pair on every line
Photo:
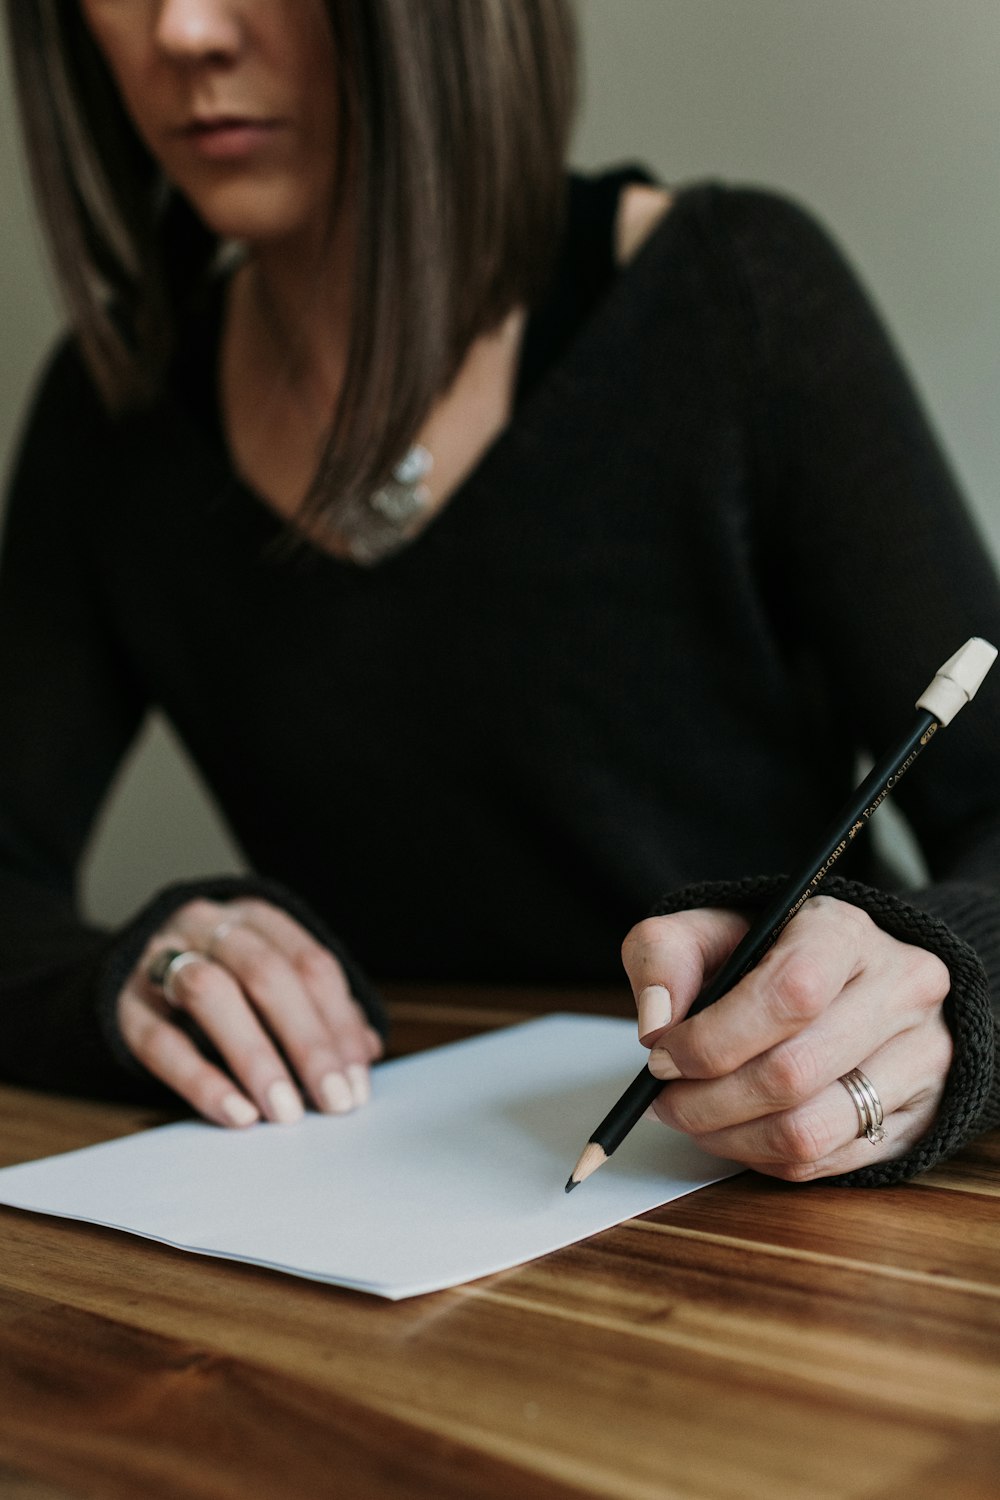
959, 680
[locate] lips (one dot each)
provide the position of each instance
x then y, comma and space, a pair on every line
230, 137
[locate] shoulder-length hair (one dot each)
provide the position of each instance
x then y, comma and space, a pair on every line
456, 115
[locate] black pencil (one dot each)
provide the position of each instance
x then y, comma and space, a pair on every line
953, 686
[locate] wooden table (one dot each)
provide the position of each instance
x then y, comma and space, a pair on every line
750, 1340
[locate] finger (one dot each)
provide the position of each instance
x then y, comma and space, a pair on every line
321, 1059
861, 1020
819, 952
322, 976
213, 997
248, 938
789, 1073
323, 979
823, 1136
669, 959
174, 1059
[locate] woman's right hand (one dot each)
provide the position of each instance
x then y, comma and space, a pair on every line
271, 1001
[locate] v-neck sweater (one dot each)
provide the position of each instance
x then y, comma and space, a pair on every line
709, 563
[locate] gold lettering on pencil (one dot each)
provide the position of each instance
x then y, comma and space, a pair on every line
832, 860
854, 830
907, 763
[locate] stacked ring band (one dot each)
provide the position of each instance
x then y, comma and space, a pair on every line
218, 932
867, 1103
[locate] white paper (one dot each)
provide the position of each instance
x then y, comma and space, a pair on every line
456, 1169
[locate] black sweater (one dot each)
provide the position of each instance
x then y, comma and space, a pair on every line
713, 558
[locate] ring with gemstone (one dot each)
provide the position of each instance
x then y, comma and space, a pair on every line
867, 1104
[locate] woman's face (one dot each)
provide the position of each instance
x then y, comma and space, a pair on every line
236, 99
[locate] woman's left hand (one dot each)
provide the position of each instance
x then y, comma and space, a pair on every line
755, 1077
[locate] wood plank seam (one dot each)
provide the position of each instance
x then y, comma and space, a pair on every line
608, 1484
821, 1258
945, 1399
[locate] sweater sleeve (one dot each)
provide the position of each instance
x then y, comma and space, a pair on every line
872, 566
971, 1102
69, 710
874, 573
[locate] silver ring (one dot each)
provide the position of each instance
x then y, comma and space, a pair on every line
218, 932
867, 1104
167, 965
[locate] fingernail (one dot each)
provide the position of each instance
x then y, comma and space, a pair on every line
650, 1113
662, 1065
336, 1094
360, 1081
284, 1102
239, 1111
654, 1009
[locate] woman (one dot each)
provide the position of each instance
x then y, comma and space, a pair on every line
505, 551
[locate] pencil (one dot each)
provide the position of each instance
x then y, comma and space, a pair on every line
953, 686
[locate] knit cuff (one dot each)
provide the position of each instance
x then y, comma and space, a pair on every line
971, 1100
127, 950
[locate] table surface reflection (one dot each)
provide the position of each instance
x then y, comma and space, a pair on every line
752, 1339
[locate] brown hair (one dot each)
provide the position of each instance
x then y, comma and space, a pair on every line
457, 117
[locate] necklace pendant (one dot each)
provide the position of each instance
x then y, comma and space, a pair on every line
381, 527
404, 495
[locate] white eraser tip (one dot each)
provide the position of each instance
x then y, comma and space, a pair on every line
957, 682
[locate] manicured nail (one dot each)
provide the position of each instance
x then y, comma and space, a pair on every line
284, 1102
360, 1081
662, 1065
336, 1093
239, 1111
654, 1009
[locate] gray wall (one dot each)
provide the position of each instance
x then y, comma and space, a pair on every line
880, 114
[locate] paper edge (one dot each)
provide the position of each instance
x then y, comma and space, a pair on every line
391, 1292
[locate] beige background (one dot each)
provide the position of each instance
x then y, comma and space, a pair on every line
880, 114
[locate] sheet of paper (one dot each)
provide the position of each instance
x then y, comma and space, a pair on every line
457, 1168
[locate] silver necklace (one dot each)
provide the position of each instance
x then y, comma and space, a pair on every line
383, 523
375, 527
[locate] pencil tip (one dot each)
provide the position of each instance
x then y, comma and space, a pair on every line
594, 1156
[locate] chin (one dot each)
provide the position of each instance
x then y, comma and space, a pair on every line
259, 216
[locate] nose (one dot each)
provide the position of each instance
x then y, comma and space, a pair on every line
199, 30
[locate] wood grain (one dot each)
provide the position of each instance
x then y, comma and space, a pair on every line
753, 1339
